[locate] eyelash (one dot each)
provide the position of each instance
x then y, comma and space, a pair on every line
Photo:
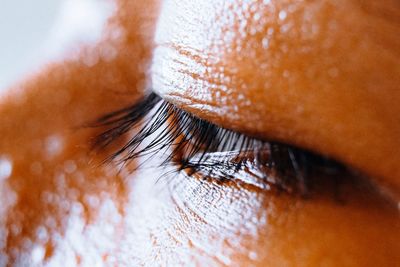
198, 147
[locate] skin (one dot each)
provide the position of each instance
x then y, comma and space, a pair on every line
57, 182
292, 72
59, 206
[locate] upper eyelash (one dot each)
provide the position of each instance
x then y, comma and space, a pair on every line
292, 166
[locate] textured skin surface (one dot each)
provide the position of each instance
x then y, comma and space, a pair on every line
59, 207
59, 201
322, 75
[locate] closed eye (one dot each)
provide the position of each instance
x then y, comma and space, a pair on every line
202, 149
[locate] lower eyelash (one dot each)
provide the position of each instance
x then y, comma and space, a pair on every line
201, 148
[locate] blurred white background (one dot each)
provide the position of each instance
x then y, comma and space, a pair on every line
34, 31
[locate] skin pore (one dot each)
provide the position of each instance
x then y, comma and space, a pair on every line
59, 206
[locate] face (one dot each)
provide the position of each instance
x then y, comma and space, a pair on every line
319, 75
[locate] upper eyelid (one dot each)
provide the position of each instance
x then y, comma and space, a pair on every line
204, 136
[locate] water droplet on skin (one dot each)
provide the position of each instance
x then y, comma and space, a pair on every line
92, 201
46, 197
117, 33
253, 31
38, 254
70, 166
54, 145
15, 229
76, 209
285, 28
91, 59
109, 53
5, 168
42, 234
265, 42
282, 15
60, 182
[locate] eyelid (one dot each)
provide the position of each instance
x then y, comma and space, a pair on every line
193, 142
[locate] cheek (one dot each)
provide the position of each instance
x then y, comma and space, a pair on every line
57, 208
79, 214
180, 220
176, 220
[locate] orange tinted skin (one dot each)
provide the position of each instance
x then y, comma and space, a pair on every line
55, 178
322, 75
60, 207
